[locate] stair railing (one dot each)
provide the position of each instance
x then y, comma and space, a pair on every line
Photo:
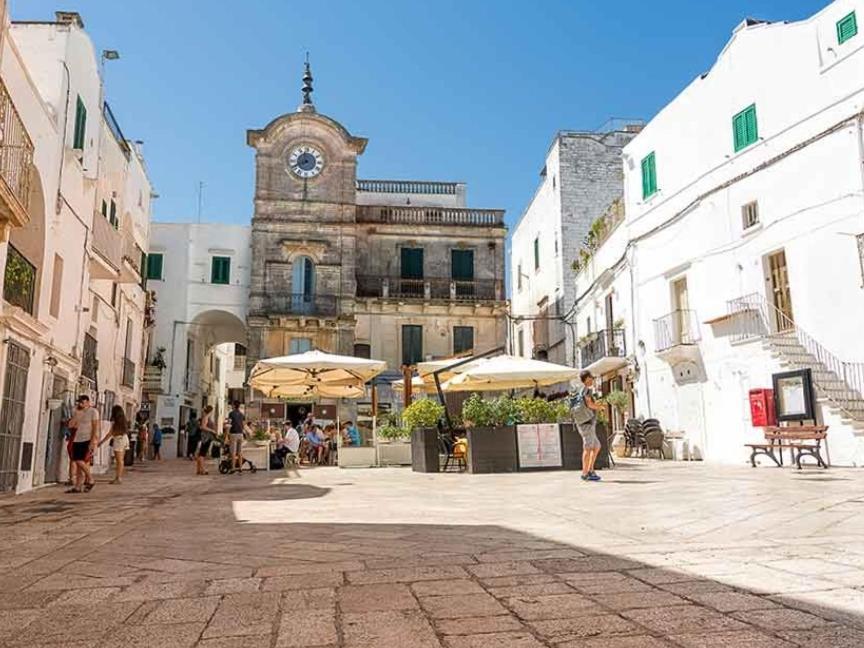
763, 319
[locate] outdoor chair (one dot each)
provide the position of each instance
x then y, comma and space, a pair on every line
654, 437
454, 451
634, 437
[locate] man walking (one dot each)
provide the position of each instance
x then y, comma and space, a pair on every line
236, 431
585, 410
85, 425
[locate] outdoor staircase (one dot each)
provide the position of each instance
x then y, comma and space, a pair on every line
790, 352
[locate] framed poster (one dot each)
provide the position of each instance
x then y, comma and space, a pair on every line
793, 395
539, 445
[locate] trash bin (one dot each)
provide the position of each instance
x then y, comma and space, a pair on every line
129, 457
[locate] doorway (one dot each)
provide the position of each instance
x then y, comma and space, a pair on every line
781, 295
12, 413
681, 312
54, 440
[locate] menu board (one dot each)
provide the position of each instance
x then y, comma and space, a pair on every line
539, 445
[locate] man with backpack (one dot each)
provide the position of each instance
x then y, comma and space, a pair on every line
584, 411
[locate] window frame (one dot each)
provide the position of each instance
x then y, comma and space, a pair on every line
220, 270
747, 210
536, 253
155, 276
462, 330
747, 138
648, 167
79, 135
842, 37
404, 350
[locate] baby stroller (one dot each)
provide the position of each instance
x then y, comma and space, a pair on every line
225, 466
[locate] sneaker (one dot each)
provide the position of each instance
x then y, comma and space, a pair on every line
594, 477
585, 477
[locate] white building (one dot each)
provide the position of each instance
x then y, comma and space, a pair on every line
740, 255
199, 274
55, 345
581, 177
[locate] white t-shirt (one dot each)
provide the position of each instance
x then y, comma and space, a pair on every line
83, 423
292, 439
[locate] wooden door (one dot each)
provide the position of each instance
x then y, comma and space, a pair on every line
781, 296
681, 306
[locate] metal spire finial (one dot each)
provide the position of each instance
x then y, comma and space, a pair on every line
307, 83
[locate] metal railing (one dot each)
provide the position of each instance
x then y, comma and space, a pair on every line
16, 151
756, 317
608, 343
132, 253
680, 327
114, 127
19, 283
89, 359
296, 304
128, 377
429, 288
408, 186
446, 216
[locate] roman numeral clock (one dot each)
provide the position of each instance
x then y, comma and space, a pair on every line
305, 161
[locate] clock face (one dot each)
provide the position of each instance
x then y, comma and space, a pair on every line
305, 161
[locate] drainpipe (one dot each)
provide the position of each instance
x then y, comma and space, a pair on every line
631, 252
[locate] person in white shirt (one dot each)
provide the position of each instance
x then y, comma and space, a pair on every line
292, 438
85, 422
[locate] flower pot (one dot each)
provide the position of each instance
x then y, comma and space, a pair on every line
492, 450
424, 450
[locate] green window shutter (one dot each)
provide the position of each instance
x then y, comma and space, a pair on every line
112, 218
537, 253
847, 27
412, 263
745, 128
412, 344
220, 270
80, 124
463, 339
154, 266
104, 210
649, 175
462, 265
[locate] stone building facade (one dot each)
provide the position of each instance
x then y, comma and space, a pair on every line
581, 177
397, 270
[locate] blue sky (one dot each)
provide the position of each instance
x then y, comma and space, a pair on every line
465, 90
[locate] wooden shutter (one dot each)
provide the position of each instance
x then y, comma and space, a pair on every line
463, 339
847, 27
220, 270
536, 253
80, 124
649, 175
412, 263
745, 129
462, 265
154, 266
412, 344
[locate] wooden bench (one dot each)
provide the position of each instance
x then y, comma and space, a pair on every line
801, 441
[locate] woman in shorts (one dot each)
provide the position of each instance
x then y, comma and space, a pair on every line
207, 431
119, 436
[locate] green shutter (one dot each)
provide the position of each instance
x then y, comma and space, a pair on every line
112, 218
463, 339
220, 270
80, 124
462, 265
154, 266
412, 344
649, 175
412, 263
745, 128
847, 27
537, 253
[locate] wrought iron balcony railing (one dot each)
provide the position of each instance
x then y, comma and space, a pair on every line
89, 360
608, 343
429, 288
19, 287
16, 160
680, 327
128, 378
295, 304
440, 216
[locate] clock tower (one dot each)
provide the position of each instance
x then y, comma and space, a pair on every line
303, 279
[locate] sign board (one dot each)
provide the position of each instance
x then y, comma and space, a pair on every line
326, 412
793, 395
539, 445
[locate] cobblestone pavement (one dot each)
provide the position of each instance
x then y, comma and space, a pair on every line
659, 554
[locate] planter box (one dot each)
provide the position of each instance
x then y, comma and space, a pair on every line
356, 457
394, 453
571, 447
492, 450
424, 450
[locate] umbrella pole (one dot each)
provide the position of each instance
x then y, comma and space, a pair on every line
443, 401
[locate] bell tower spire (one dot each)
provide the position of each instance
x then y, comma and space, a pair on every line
307, 105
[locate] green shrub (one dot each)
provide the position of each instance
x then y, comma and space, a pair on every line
393, 433
539, 410
480, 412
423, 413
619, 401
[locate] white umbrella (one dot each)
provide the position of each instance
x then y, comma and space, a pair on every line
314, 373
505, 372
426, 369
418, 384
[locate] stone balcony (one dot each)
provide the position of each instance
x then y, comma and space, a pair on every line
429, 288
16, 161
434, 216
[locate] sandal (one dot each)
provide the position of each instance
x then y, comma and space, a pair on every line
72, 490
89, 487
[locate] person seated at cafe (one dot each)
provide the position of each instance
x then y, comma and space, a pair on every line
330, 434
350, 434
315, 443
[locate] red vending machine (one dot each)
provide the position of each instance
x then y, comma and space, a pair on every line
762, 412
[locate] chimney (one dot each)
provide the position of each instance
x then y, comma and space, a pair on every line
69, 18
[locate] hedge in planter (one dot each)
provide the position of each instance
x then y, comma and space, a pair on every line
421, 417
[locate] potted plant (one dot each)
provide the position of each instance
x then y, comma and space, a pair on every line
422, 417
491, 433
394, 445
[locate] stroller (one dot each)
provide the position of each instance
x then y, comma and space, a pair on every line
225, 465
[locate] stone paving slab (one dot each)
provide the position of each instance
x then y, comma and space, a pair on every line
334, 560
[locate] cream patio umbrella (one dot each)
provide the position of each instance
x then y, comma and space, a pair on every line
314, 373
504, 372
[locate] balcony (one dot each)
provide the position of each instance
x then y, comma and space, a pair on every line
128, 377
89, 360
155, 380
436, 216
107, 247
429, 289
408, 187
603, 351
300, 305
19, 283
16, 161
133, 259
676, 335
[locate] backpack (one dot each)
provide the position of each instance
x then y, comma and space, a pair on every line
579, 410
